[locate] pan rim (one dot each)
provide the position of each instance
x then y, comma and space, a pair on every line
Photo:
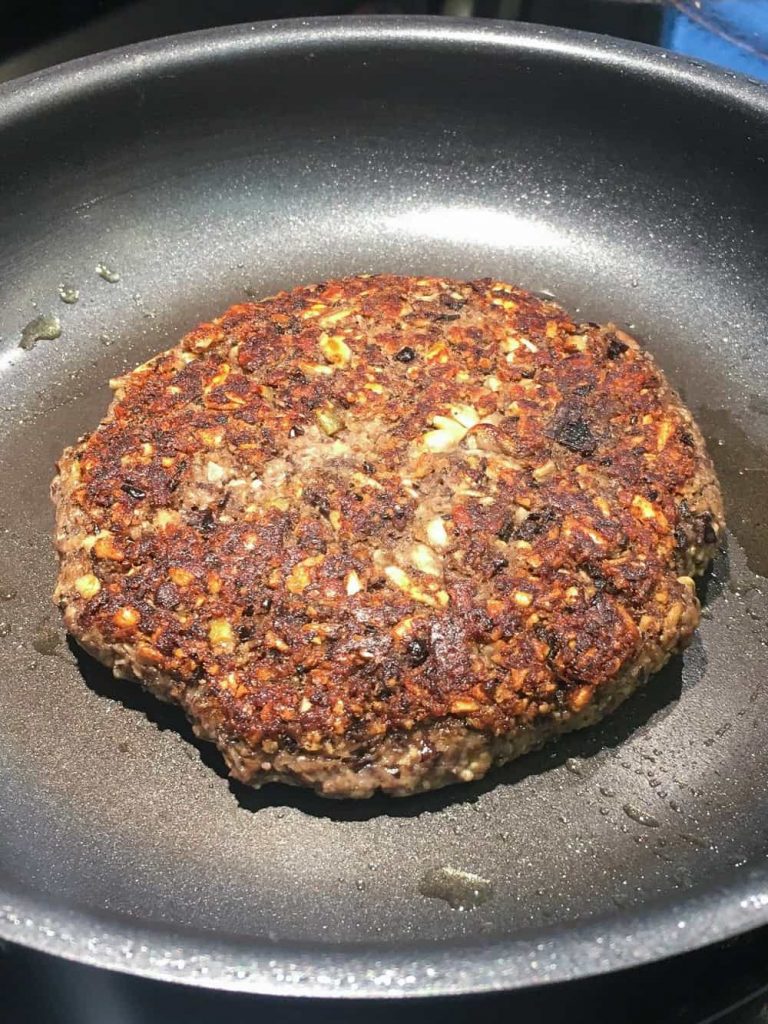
62, 82
638, 937
566, 952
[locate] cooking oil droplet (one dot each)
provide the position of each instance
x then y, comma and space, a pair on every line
45, 327
5, 629
105, 272
46, 641
641, 817
105, 340
460, 889
148, 314
695, 840
7, 594
607, 791
68, 294
360, 885
575, 766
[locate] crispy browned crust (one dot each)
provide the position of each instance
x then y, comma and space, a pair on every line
384, 532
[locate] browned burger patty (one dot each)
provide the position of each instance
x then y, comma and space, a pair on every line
385, 532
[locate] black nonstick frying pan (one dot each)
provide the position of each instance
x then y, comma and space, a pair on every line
200, 169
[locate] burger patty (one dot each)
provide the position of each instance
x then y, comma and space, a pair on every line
382, 533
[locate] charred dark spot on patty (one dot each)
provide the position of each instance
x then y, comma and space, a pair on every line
571, 430
615, 348
418, 651
167, 596
133, 492
405, 355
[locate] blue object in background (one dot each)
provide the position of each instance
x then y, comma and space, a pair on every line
731, 33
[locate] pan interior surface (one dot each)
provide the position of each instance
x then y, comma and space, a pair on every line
195, 172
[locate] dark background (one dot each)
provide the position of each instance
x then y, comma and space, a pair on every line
724, 983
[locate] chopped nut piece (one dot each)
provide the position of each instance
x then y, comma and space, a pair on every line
333, 318
105, 547
463, 706
219, 377
87, 586
166, 517
148, 655
448, 434
643, 507
465, 414
580, 698
329, 419
354, 586
220, 633
404, 583
335, 349
665, 432
211, 437
437, 535
544, 471
424, 559
181, 577
126, 617
301, 576
214, 472
273, 640
398, 577
403, 628
441, 440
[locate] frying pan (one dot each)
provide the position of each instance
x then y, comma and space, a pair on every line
202, 168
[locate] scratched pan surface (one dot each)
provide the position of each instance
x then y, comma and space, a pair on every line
630, 184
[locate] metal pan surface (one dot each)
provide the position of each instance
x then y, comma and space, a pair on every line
630, 184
